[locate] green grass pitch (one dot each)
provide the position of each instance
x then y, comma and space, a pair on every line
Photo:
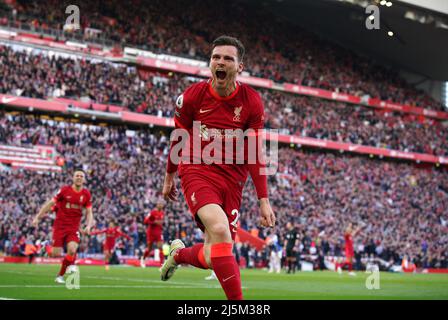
21, 281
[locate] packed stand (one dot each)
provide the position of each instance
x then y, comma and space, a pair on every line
187, 30
39, 76
403, 207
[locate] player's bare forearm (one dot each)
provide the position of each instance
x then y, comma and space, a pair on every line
169, 190
267, 215
89, 220
45, 208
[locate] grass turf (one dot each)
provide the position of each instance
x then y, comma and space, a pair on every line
21, 281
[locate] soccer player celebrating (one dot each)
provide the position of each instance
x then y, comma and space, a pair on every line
213, 189
154, 220
70, 201
113, 232
349, 253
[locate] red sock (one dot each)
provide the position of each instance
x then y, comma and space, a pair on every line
146, 254
161, 256
67, 261
350, 266
193, 256
226, 269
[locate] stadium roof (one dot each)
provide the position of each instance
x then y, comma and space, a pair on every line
420, 36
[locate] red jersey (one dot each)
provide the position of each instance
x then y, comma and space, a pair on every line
112, 234
243, 109
69, 207
150, 220
348, 242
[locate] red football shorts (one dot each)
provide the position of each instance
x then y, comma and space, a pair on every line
64, 236
153, 236
202, 187
109, 246
349, 253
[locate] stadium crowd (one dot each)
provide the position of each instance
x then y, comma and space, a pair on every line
39, 76
187, 30
402, 207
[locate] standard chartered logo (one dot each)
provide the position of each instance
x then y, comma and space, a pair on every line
229, 146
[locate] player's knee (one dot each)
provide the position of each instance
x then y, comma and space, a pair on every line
55, 253
220, 232
71, 250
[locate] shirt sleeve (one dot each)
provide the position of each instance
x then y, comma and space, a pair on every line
256, 122
122, 234
95, 232
152, 217
183, 119
59, 195
146, 220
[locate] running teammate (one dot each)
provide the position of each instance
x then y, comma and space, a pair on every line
70, 201
154, 235
113, 232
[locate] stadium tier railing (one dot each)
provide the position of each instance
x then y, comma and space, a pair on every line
116, 113
39, 158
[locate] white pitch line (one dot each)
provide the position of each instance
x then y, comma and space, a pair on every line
142, 280
117, 279
3, 298
174, 284
98, 286
199, 285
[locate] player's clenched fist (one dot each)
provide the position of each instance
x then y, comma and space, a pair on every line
267, 215
169, 190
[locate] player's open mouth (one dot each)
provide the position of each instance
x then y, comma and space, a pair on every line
220, 74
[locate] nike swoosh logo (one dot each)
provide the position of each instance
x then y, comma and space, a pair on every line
224, 280
7, 100
204, 111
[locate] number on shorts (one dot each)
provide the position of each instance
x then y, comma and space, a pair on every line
235, 221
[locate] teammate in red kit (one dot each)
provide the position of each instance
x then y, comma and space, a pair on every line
213, 190
113, 232
349, 252
70, 201
154, 220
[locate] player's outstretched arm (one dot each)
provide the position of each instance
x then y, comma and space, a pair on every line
169, 190
96, 232
90, 221
45, 208
359, 229
124, 235
267, 215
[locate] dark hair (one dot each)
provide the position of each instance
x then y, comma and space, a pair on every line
230, 41
79, 169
